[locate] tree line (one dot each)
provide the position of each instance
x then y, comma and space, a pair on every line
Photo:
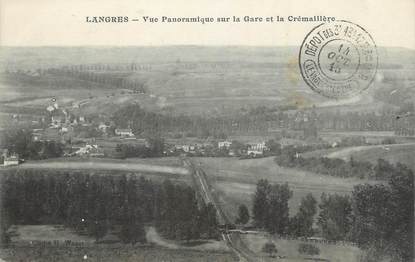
330, 166
20, 141
70, 77
337, 167
379, 218
97, 204
247, 122
154, 148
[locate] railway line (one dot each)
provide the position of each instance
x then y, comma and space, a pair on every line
232, 238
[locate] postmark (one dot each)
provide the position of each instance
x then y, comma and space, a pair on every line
338, 59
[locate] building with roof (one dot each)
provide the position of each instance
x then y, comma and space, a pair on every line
126, 132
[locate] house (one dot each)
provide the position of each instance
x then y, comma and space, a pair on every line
64, 129
10, 160
103, 127
124, 132
185, 148
256, 149
56, 121
50, 108
88, 149
224, 144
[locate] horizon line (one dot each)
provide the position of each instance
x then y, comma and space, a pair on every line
172, 45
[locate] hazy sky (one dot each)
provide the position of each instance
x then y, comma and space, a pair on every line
62, 22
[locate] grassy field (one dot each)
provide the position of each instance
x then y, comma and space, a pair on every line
153, 237
393, 153
160, 161
28, 239
289, 249
111, 254
186, 79
234, 181
45, 233
156, 169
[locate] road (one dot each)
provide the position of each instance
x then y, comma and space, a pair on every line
232, 239
108, 165
345, 153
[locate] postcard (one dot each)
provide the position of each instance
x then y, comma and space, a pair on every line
204, 131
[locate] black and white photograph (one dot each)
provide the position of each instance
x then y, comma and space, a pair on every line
205, 131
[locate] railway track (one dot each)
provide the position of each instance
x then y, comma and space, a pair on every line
232, 239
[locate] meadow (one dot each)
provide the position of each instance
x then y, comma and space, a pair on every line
402, 153
235, 181
289, 249
106, 253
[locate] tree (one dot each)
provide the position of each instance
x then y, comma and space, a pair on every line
269, 248
132, 228
302, 223
208, 225
383, 169
98, 225
401, 206
51, 149
237, 147
261, 202
270, 206
243, 215
383, 221
277, 215
274, 147
156, 146
335, 218
20, 141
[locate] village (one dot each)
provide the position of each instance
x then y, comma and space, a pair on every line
98, 136
83, 136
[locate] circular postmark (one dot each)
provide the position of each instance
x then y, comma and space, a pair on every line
338, 59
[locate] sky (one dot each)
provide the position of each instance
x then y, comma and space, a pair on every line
62, 22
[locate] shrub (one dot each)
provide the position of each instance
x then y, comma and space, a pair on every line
269, 248
308, 249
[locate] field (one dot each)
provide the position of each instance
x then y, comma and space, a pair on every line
159, 161
183, 79
394, 153
156, 169
402, 153
103, 164
106, 253
289, 249
47, 243
234, 181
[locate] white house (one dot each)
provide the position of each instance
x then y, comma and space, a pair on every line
224, 144
124, 132
88, 149
256, 149
12, 160
103, 127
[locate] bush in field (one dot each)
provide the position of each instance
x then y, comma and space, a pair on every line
308, 249
243, 215
269, 248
